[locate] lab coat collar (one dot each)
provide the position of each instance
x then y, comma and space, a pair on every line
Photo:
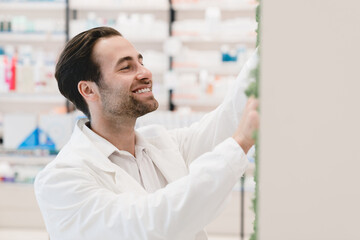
169, 161
106, 147
84, 146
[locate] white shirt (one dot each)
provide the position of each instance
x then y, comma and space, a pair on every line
140, 167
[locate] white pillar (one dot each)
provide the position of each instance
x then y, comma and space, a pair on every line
310, 120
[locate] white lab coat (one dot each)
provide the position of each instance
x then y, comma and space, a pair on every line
84, 196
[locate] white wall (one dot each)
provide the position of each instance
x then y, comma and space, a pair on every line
310, 120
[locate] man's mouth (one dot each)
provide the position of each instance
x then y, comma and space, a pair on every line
143, 90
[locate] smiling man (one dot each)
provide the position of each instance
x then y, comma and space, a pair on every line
114, 182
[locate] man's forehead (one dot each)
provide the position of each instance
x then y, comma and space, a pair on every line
115, 46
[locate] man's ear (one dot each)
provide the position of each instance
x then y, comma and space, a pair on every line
88, 90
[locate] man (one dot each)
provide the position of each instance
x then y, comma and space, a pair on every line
113, 182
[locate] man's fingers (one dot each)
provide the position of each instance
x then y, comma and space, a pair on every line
249, 105
253, 103
249, 123
254, 119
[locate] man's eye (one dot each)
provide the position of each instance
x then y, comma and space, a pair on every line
125, 68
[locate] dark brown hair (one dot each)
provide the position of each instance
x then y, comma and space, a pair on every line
76, 63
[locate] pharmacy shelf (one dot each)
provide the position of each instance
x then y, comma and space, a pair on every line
218, 39
224, 69
137, 39
120, 7
147, 40
197, 103
32, 6
30, 102
140, 39
32, 37
157, 72
251, 6
26, 159
194, 102
35, 98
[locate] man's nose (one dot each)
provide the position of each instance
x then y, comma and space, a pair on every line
143, 73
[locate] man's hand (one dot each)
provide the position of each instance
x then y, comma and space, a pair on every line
248, 124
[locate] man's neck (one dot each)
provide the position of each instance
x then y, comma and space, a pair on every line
120, 133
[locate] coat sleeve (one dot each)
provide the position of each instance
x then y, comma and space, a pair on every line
219, 124
75, 206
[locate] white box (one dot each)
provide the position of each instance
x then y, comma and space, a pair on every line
57, 127
17, 128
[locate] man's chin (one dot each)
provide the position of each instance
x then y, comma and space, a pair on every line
150, 107
153, 106
156, 105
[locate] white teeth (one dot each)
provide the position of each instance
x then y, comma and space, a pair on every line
143, 90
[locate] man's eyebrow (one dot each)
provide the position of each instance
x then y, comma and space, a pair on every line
127, 58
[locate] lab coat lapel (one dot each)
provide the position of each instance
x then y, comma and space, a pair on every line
169, 162
163, 153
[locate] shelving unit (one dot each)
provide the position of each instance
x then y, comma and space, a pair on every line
193, 38
16, 159
119, 7
224, 6
26, 32
33, 98
181, 65
199, 103
223, 69
30, 102
32, 6
110, 9
166, 11
218, 39
30, 38
31, 11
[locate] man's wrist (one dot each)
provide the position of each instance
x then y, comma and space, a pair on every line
244, 144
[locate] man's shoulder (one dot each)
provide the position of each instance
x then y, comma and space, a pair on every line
65, 158
61, 163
